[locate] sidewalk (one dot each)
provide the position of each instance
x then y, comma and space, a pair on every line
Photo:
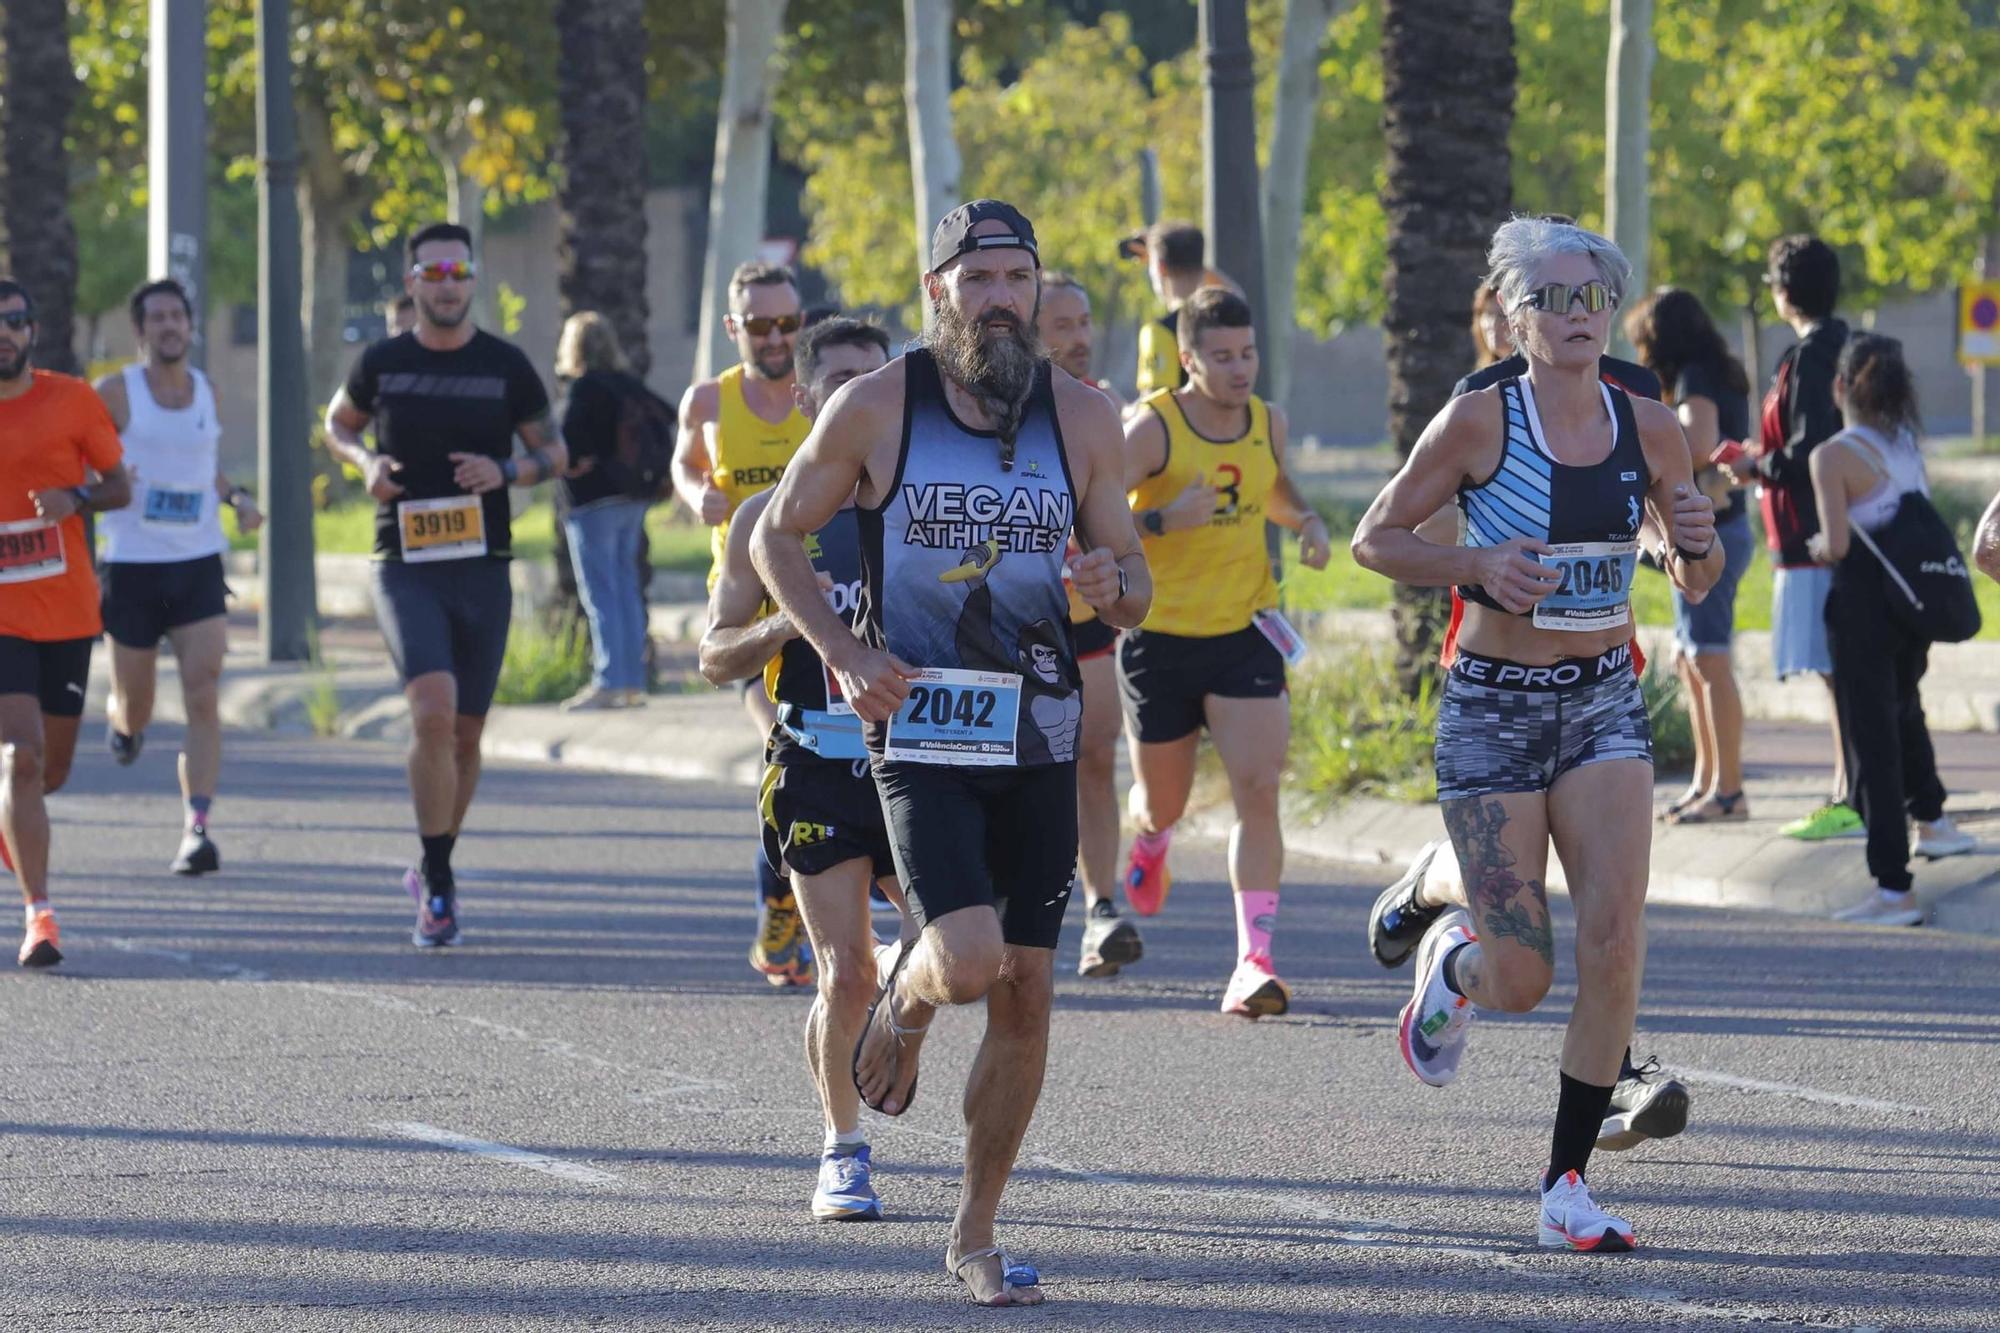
700, 735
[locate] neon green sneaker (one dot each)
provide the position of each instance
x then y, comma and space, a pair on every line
1832, 820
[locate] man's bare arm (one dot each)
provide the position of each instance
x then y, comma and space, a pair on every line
738, 642
700, 405
111, 389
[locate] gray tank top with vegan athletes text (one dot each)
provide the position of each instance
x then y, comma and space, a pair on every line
962, 574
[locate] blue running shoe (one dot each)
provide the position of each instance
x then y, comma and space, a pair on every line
846, 1193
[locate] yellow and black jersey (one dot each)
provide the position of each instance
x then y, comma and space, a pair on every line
747, 454
1160, 355
1212, 579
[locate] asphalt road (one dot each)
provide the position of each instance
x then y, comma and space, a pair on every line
245, 1102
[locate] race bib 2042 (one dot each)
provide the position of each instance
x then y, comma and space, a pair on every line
956, 717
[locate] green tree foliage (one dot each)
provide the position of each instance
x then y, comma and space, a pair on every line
1874, 122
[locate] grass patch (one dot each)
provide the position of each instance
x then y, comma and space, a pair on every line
1673, 729
547, 660
1354, 733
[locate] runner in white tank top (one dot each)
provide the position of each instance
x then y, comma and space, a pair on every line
163, 574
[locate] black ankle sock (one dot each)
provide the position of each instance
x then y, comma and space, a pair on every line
1626, 1069
771, 886
437, 861
1451, 968
1103, 907
1579, 1119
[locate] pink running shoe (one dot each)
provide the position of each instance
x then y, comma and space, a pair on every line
1147, 878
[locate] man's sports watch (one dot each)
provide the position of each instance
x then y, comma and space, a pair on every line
1123, 583
82, 494
1154, 522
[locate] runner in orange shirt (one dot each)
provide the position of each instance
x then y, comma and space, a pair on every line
54, 435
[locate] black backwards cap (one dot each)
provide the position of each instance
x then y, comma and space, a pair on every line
954, 237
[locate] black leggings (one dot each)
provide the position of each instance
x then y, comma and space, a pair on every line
1891, 768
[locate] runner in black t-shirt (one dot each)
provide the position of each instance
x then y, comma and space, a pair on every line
446, 401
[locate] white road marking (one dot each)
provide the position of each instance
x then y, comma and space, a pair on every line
499, 1152
1814, 1095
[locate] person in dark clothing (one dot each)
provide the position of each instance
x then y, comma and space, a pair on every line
602, 524
1860, 478
1711, 395
1799, 413
1632, 378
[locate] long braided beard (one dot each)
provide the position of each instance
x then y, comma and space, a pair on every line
997, 370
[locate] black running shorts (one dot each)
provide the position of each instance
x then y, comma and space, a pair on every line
447, 615
1093, 638
144, 599
1165, 679
1003, 838
821, 813
57, 673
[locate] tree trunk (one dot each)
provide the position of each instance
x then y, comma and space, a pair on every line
736, 191
601, 186
1292, 119
330, 199
1628, 102
35, 103
465, 204
934, 162
1447, 107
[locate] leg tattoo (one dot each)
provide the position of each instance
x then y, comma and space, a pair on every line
1504, 905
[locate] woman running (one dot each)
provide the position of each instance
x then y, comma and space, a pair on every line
1553, 471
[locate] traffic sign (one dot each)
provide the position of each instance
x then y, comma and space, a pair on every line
1979, 323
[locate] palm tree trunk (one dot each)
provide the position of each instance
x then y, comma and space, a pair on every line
601, 253
1448, 76
35, 103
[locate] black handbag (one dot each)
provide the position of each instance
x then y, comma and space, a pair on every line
1930, 589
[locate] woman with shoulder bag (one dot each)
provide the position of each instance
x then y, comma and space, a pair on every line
1860, 478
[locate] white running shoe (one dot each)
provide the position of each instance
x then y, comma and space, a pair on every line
1254, 989
1433, 1030
1941, 838
1884, 907
1570, 1219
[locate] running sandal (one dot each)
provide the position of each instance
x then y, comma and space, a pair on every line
889, 960
1013, 1276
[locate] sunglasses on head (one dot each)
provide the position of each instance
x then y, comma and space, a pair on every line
1558, 297
17, 319
445, 270
758, 326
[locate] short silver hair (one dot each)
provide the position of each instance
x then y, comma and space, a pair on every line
1514, 260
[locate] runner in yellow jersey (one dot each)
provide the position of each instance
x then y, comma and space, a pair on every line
1110, 942
1207, 470
737, 433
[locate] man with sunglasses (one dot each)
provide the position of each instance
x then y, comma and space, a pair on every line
738, 431
446, 401
163, 576
59, 457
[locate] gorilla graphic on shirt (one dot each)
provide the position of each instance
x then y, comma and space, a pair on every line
1051, 688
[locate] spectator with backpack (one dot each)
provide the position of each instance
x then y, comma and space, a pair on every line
621, 439
1899, 584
